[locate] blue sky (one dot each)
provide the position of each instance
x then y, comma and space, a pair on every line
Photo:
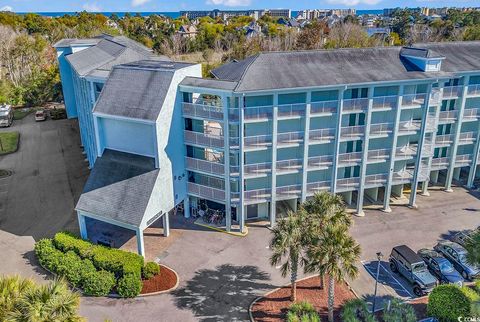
169, 5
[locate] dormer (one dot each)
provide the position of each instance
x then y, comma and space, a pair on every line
426, 60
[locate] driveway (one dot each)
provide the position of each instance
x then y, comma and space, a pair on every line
219, 274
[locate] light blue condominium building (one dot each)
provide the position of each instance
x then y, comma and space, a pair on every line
268, 132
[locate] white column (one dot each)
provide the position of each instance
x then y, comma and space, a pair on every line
425, 188
388, 187
458, 127
473, 167
186, 207
226, 158
305, 146
333, 187
140, 242
241, 207
273, 202
363, 165
82, 225
166, 225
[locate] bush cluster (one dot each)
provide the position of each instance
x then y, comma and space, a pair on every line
96, 269
302, 312
150, 270
448, 302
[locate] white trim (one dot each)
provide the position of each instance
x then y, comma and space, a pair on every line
107, 220
123, 118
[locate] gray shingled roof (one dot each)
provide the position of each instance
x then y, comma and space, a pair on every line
137, 90
275, 70
209, 83
119, 187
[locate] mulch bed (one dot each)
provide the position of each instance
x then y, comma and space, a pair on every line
166, 280
274, 306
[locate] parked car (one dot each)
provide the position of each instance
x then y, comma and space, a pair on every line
440, 267
457, 255
6, 115
404, 261
462, 236
40, 115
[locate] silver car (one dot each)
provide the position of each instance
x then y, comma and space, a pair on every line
457, 255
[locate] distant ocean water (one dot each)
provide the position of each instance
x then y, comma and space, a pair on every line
175, 14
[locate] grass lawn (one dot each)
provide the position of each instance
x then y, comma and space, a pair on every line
20, 113
8, 142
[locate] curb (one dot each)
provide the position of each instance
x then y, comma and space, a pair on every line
224, 231
164, 291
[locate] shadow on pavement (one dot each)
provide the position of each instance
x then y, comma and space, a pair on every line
222, 294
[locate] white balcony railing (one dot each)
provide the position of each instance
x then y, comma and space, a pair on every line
471, 114
406, 152
378, 155
452, 91
291, 110
204, 166
258, 113
348, 183
463, 159
355, 105
402, 176
206, 192
445, 139
323, 161
257, 168
289, 165
323, 108
381, 128
349, 158
448, 116
202, 111
410, 126
314, 187
435, 96
413, 100
258, 141
259, 194
289, 191
352, 131
290, 137
384, 102
467, 137
210, 140
322, 135
376, 180
473, 90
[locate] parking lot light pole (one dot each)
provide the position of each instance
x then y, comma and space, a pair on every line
379, 259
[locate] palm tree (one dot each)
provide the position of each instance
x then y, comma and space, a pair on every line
473, 247
50, 302
11, 289
336, 254
323, 209
287, 243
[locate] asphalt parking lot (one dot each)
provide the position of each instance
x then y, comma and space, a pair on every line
393, 283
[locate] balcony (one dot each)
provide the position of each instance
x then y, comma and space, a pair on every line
381, 129
440, 163
314, 187
446, 117
463, 160
257, 142
403, 176
257, 114
467, 138
355, 105
471, 114
257, 195
291, 111
431, 125
407, 127
376, 156
293, 165
320, 163
257, 169
444, 140
202, 111
349, 159
376, 180
473, 90
413, 100
435, 97
287, 192
321, 136
202, 139
289, 138
406, 152
384, 103
352, 132
206, 192
325, 108
452, 92
205, 166
347, 184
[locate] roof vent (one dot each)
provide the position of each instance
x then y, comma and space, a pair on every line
426, 60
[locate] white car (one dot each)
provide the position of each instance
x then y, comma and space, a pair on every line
40, 115
6, 115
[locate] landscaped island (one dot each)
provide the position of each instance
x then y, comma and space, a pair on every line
99, 270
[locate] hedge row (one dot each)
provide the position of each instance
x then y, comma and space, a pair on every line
449, 302
113, 260
79, 272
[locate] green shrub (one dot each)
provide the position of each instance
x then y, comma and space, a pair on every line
356, 310
150, 270
302, 312
129, 285
48, 256
477, 286
98, 283
74, 268
113, 260
448, 302
399, 311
